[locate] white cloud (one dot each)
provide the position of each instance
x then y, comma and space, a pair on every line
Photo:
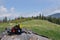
34, 13
56, 11
4, 12
50, 11
5, 15
3, 9
30, 14
12, 9
55, 7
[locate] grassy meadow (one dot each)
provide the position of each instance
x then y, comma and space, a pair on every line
5, 25
41, 27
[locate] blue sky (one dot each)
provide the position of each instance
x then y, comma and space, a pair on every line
15, 8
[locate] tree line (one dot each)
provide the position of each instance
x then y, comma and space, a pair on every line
48, 18
40, 17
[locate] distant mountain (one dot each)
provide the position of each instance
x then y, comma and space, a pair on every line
56, 15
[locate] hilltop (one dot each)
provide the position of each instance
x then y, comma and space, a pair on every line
41, 27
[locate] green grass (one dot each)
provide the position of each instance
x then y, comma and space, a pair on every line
4, 25
43, 27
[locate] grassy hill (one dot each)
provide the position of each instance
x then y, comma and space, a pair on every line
4, 25
43, 27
